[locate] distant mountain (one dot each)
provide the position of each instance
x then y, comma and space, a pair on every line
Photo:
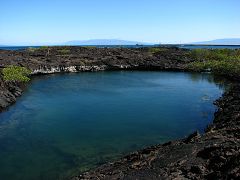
230, 41
105, 42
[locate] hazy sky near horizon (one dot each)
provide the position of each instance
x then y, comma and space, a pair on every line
36, 22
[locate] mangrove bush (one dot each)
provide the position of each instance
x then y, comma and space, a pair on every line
16, 74
219, 61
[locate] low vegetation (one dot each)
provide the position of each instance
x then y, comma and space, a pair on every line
16, 74
90, 47
64, 51
219, 61
32, 49
44, 47
154, 50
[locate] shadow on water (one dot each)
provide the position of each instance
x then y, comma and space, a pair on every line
220, 81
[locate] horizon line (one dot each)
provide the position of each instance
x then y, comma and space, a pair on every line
114, 39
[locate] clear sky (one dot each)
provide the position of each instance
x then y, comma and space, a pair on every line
28, 22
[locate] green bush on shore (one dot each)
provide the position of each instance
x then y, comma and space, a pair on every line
32, 49
215, 54
43, 47
219, 61
90, 47
16, 73
64, 51
154, 50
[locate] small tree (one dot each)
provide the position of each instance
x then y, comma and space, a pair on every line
16, 73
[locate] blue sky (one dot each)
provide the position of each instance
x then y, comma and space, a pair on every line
28, 22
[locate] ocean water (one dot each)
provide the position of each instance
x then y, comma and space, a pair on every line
209, 46
139, 46
67, 123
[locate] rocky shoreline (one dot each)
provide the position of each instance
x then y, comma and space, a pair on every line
9, 93
212, 155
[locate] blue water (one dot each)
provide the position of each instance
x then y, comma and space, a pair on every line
17, 47
209, 46
65, 124
140, 46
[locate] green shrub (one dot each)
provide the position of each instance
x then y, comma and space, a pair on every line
35, 49
215, 54
44, 47
224, 67
218, 61
154, 50
16, 73
90, 47
32, 49
64, 51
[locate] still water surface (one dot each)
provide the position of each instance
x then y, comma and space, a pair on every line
64, 124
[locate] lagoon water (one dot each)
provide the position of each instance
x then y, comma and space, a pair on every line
67, 123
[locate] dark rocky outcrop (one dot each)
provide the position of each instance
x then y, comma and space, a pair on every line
9, 91
72, 59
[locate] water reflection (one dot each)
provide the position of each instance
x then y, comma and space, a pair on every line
221, 82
